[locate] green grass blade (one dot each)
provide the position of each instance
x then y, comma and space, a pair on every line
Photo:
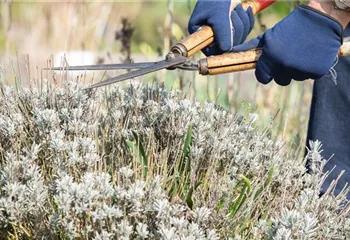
266, 182
189, 199
184, 171
247, 182
242, 197
238, 203
221, 203
143, 155
185, 152
231, 202
130, 145
269, 177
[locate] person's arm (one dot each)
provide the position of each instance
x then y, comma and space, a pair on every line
339, 9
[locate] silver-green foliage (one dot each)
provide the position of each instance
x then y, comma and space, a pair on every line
143, 162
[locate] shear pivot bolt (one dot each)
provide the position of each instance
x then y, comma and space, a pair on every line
170, 56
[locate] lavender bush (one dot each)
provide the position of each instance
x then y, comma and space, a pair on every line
146, 163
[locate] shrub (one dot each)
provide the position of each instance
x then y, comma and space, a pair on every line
143, 162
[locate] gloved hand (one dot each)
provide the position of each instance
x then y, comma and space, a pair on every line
230, 28
303, 45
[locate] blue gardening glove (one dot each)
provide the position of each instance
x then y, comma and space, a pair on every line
303, 45
230, 28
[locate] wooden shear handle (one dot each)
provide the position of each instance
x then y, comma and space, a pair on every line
234, 62
205, 36
229, 62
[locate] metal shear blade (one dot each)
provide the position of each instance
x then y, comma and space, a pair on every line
152, 68
104, 66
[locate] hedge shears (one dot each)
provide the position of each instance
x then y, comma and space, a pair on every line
178, 56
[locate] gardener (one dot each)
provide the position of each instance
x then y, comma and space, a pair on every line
303, 45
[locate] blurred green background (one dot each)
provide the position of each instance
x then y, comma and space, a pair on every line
88, 24
34, 35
